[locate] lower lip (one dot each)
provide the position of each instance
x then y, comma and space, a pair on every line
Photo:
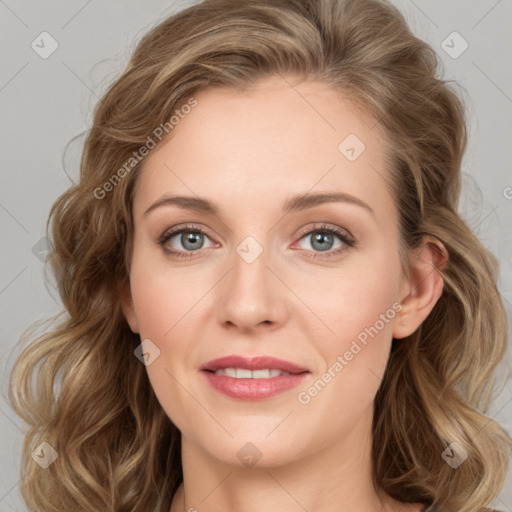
253, 389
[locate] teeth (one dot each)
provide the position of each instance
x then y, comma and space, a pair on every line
243, 373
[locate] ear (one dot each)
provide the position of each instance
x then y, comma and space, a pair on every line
128, 307
423, 288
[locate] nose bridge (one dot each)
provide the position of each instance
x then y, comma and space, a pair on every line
249, 295
249, 279
250, 249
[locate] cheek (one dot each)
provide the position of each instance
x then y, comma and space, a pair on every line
353, 364
165, 297
360, 308
163, 311
360, 296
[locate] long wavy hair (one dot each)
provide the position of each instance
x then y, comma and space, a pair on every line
93, 402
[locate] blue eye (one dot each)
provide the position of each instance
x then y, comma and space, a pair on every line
323, 237
192, 240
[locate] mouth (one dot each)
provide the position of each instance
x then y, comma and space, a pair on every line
255, 378
243, 373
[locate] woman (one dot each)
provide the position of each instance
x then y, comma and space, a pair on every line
271, 301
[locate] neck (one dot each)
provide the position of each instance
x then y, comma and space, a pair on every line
336, 478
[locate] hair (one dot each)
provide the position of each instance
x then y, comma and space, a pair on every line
77, 383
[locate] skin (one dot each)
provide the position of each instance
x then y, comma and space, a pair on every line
248, 153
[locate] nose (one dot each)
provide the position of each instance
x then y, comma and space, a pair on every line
252, 296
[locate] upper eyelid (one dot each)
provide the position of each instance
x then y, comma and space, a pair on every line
326, 226
172, 232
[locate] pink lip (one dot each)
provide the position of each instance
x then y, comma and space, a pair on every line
253, 363
253, 389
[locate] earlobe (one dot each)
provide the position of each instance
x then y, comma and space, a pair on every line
424, 288
128, 307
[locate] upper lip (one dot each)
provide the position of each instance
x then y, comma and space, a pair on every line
253, 363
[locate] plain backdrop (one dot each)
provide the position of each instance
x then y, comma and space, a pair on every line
46, 100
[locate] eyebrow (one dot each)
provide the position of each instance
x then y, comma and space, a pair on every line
295, 203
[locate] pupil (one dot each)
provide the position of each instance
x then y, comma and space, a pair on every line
191, 238
321, 239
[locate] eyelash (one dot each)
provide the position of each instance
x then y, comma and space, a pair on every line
341, 234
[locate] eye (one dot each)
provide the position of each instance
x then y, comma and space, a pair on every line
322, 239
191, 238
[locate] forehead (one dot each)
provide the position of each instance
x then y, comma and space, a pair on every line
252, 149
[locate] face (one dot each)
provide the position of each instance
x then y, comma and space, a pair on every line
312, 283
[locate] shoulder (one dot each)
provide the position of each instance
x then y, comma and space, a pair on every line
438, 509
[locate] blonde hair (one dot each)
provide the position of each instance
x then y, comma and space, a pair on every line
93, 403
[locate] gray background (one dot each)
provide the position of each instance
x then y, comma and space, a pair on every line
46, 102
